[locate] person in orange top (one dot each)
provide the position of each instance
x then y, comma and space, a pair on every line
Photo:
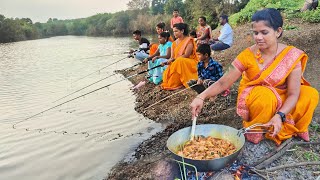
176, 18
273, 90
183, 62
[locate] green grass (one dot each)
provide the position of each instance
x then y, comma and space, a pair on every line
289, 8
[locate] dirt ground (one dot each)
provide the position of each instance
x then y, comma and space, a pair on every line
152, 159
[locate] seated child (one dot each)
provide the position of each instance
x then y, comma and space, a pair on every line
209, 70
161, 56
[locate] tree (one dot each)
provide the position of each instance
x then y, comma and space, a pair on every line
157, 6
138, 4
174, 4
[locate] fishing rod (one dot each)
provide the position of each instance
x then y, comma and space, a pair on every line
92, 84
103, 55
92, 92
169, 96
99, 70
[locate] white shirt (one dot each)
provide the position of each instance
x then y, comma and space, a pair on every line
226, 34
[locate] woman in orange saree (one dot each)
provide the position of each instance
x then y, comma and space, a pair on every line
183, 62
273, 90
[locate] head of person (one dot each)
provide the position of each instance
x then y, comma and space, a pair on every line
136, 34
223, 19
175, 13
193, 34
202, 21
203, 52
160, 27
163, 37
180, 30
267, 27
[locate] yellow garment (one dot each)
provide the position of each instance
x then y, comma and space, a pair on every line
182, 69
262, 93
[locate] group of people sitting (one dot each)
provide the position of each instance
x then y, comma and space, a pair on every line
272, 90
186, 59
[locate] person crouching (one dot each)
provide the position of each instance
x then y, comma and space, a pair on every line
209, 70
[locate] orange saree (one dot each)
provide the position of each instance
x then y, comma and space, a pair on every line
182, 69
262, 93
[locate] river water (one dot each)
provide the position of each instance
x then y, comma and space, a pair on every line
81, 139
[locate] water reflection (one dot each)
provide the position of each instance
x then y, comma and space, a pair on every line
82, 139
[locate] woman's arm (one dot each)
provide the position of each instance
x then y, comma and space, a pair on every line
293, 93
152, 56
167, 56
188, 50
222, 84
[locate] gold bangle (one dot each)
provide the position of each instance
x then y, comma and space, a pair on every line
200, 98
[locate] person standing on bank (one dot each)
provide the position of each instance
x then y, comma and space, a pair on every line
225, 39
176, 18
272, 90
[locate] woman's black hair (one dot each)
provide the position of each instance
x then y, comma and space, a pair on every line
193, 33
165, 35
182, 26
271, 16
204, 49
161, 25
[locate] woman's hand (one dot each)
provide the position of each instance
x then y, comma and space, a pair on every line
145, 60
200, 81
276, 123
196, 106
168, 62
154, 59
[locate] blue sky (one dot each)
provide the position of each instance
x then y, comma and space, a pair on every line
42, 10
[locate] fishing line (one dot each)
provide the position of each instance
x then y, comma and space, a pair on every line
88, 93
87, 134
169, 96
102, 56
99, 70
92, 84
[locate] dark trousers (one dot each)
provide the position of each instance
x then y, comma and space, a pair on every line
219, 46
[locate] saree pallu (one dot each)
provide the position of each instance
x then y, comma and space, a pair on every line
182, 69
262, 93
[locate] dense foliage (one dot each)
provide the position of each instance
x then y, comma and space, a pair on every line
290, 8
144, 15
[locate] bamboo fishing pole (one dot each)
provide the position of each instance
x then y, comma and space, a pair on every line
91, 92
102, 56
169, 96
99, 70
91, 84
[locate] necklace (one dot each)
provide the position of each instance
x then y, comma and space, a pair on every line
258, 56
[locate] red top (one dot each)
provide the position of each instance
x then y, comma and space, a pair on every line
176, 20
